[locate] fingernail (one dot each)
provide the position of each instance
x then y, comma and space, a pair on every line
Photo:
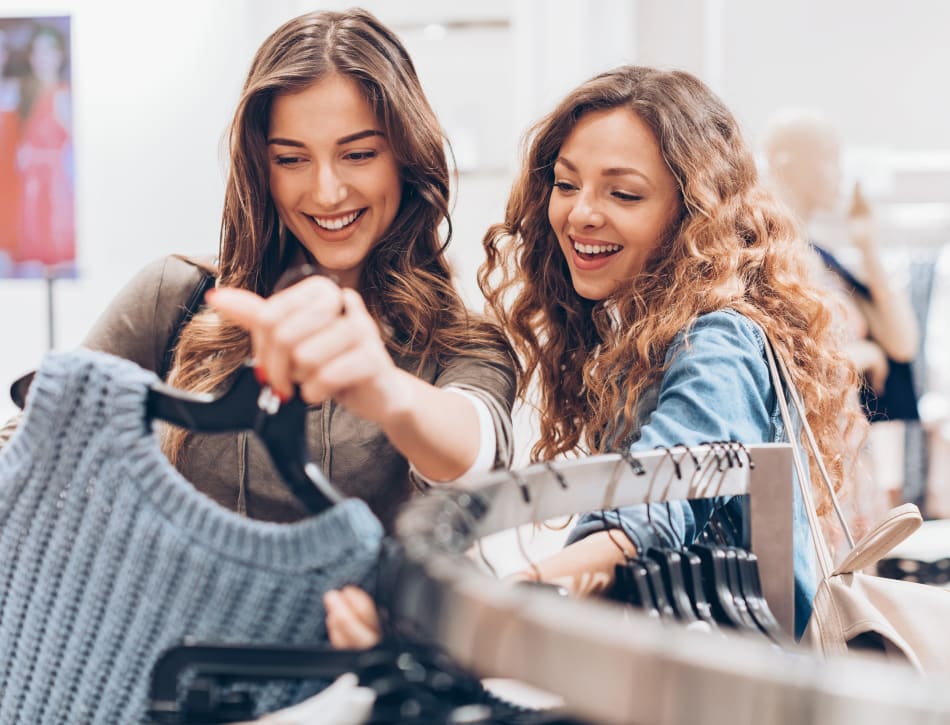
260, 375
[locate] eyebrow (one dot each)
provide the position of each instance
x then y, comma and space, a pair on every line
339, 142
612, 171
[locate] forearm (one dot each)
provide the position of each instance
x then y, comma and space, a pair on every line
891, 319
863, 354
586, 566
437, 430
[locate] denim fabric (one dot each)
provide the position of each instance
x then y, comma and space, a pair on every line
716, 388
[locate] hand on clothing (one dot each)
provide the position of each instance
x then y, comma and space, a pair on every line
321, 337
352, 620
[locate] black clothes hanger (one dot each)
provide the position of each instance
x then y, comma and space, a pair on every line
755, 599
735, 587
716, 585
670, 561
631, 579
413, 683
248, 405
691, 564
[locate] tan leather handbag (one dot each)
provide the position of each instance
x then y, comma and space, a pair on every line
853, 611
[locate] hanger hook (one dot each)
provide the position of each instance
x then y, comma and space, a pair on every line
748, 455
700, 466
558, 476
522, 484
608, 529
534, 567
472, 506
627, 455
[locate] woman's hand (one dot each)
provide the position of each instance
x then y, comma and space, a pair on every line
321, 337
352, 621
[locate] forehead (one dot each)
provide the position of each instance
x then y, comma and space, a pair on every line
613, 137
333, 107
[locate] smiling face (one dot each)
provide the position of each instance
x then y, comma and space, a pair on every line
333, 177
613, 201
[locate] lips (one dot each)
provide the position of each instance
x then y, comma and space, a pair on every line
338, 221
590, 249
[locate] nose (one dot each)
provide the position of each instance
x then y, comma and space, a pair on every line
327, 188
584, 213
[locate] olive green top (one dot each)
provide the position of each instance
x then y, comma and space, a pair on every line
234, 469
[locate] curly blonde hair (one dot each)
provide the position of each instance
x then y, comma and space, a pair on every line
406, 280
730, 246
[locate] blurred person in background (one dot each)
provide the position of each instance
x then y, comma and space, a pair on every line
9, 142
802, 151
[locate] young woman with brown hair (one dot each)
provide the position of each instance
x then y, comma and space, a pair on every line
337, 161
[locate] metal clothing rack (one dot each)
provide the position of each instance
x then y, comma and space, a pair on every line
613, 665
545, 491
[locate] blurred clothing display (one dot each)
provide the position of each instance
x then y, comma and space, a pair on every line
874, 313
935, 406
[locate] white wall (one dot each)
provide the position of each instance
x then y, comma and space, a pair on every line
155, 84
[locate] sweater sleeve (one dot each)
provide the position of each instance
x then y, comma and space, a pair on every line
715, 388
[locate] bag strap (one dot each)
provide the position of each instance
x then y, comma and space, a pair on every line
191, 307
899, 523
822, 550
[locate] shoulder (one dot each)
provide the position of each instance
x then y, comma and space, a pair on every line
487, 369
726, 330
140, 320
175, 275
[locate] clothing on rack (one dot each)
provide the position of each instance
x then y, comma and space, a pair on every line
108, 556
612, 665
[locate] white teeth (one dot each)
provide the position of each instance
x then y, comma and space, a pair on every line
337, 222
596, 248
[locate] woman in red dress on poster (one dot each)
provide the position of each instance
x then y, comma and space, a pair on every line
9, 174
47, 232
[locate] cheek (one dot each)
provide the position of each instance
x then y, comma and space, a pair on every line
279, 191
557, 212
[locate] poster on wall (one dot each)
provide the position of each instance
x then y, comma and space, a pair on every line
37, 190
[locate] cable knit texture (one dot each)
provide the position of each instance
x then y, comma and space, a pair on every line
108, 556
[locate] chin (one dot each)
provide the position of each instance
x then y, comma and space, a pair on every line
590, 294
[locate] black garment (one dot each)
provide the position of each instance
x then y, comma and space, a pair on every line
898, 401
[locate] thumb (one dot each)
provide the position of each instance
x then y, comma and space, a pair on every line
238, 306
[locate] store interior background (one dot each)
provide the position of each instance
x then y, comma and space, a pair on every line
154, 86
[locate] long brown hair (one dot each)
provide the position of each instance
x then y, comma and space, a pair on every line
406, 281
731, 246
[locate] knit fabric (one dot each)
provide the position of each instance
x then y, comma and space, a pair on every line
108, 556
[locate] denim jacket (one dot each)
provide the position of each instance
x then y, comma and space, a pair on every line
716, 388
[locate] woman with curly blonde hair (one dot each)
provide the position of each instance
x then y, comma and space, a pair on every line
640, 271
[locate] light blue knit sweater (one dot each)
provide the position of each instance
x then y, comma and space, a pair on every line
108, 556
